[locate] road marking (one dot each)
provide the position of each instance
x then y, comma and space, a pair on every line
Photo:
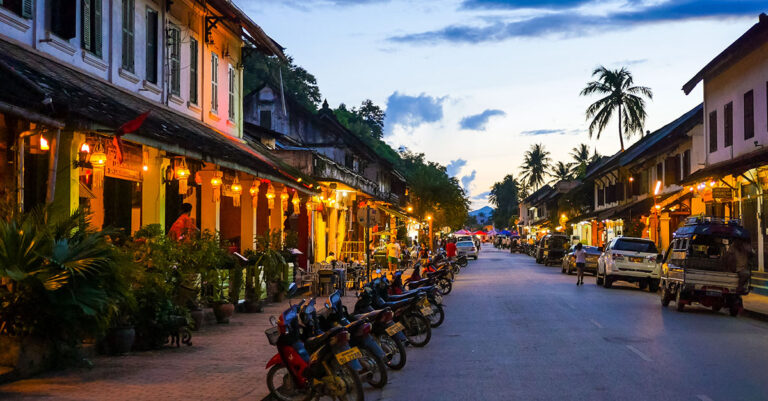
599, 326
703, 397
639, 353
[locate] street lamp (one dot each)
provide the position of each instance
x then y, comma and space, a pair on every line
431, 239
657, 208
409, 209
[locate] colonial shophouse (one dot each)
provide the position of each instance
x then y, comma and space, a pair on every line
358, 185
734, 179
80, 75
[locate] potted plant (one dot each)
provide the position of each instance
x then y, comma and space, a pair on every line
275, 268
253, 283
222, 307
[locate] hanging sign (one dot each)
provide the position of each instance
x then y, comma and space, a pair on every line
723, 194
130, 168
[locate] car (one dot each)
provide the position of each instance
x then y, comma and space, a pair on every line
551, 249
467, 248
593, 254
629, 259
461, 238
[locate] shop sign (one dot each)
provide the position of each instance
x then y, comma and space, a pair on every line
722, 193
130, 168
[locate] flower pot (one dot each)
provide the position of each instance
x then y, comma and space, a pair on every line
197, 318
254, 306
223, 312
121, 340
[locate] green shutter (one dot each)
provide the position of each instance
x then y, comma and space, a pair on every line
96, 29
85, 11
26, 8
128, 48
151, 57
192, 71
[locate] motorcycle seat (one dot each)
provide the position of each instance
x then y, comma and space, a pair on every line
398, 304
415, 284
317, 341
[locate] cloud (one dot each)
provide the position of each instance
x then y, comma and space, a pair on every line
481, 196
466, 181
412, 111
515, 4
537, 132
477, 122
629, 63
453, 168
570, 23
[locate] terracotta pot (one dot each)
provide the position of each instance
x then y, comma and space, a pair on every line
223, 312
197, 318
121, 340
254, 306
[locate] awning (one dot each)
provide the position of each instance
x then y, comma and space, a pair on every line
88, 103
733, 166
393, 212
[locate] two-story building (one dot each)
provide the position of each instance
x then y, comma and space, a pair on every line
129, 108
734, 179
640, 192
354, 178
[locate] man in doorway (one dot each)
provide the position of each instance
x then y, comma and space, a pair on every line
393, 253
184, 227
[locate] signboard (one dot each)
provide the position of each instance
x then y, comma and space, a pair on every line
362, 215
130, 168
722, 193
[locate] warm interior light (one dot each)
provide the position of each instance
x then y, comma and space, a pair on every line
236, 187
145, 167
711, 183
44, 143
99, 157
85, 148
410, 209
298, 179
631, 179
657, 207
215, 182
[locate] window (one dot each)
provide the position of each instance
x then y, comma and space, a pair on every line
728, 125
22, 8
127, 27
749, 115
232, 106
63, 16
349, 160
712, 131
193, 71
659, 176
686, 163
670, 169
265, 118
151, 75
174, 58
214, 82
91, 26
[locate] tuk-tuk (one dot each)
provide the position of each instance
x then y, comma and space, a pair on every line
694, 267
551, 249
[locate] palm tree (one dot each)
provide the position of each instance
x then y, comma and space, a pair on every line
522, 189
535, 165
621, 97
581, 160
561, 172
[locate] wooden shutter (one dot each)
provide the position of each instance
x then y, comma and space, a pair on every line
728, 125
712, 131
151, 46
26, 8
193, 71
749, 115
85, 11
127, 50
96, 32
669, 171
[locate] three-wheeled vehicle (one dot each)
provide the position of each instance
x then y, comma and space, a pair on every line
694, 268
551, 249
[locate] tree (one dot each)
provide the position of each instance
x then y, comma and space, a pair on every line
298, 83
535, 165
373, 116
505, 196
561, 172
581, 160
620, 97
367, 121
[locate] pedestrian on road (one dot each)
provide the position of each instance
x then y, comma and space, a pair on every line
581, 260
737, 256
393, 254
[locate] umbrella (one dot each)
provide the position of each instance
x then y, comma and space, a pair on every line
463, 232
505, 232
479, 232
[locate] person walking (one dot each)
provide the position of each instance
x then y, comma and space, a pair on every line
581, 260
737, 256
393, 253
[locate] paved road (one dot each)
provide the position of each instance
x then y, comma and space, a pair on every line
516, 330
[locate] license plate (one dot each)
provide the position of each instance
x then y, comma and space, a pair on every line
348, 355
426, 311
714, 293
395, 328
636, 260
425, 303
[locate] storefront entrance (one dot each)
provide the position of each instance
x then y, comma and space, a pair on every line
122, 204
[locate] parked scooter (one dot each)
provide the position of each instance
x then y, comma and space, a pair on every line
408, 312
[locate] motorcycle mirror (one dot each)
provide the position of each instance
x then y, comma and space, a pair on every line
292, 289
273, 321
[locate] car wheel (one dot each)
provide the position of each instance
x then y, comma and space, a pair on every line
642, 284
607, 281
653, 286
598, 278
679, 305
666, 297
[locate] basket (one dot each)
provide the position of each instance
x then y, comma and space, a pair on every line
272, 335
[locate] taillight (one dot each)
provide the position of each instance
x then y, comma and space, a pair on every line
366, 328
341, 338
386, 316
617, 256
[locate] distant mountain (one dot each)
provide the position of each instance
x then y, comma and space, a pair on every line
483, 214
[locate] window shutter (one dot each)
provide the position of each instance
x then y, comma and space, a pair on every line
96, 30
193, 71
85, 11
26, 8
151, 46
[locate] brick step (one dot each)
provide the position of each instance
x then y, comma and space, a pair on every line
7, 374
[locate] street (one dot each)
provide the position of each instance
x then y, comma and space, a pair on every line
515, 330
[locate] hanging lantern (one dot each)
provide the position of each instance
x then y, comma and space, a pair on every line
254, 191
216, 185
99, 161
181, 173
295, 201
145, 161
284, 200
270, 197
44, 144
236, 190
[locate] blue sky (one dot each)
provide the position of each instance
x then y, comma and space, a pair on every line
473, 83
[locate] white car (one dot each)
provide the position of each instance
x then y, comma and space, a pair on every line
466, 248
629, 259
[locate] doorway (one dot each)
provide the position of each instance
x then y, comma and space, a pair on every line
122, 205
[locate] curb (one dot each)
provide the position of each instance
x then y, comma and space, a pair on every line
755, 315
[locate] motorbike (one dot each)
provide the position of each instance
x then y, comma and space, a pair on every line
439, 278
408, 312
303, 370
395, 291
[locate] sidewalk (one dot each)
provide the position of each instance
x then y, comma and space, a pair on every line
225, 362
756, 306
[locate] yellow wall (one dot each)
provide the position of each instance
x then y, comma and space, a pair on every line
67, 196
247, 217
209, 210
276, 213
153, 189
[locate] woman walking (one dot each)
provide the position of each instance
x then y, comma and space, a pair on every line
581, 260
